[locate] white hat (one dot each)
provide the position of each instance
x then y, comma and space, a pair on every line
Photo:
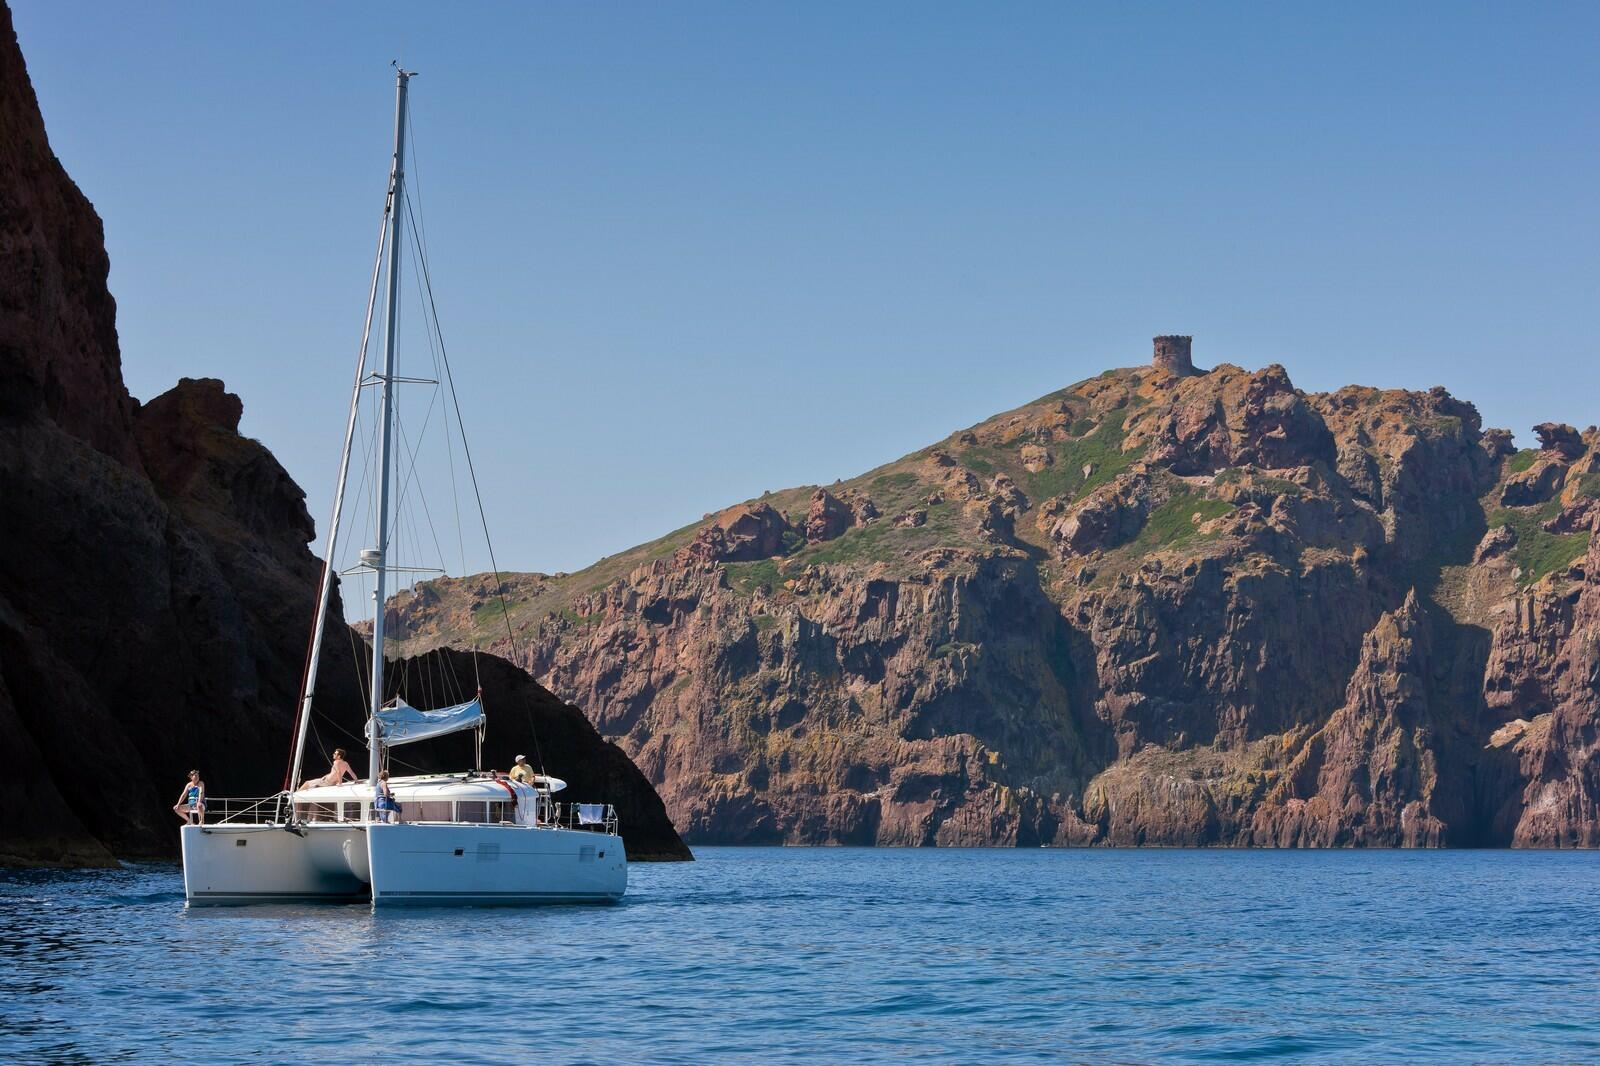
522, 758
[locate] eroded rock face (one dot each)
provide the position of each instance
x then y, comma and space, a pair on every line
156, 586
1149, 608
1542, 687
739, 534
1538, 483
1109, 516
1560, 438
1230, 418
827, 518
1371, 775
58, 341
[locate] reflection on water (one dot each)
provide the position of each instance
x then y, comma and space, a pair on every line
830, 955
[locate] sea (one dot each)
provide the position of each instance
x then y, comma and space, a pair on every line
839, 955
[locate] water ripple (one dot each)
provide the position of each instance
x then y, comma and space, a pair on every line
840, 955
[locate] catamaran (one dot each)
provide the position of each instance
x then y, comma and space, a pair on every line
472, 837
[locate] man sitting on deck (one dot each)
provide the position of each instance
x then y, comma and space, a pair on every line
338, 773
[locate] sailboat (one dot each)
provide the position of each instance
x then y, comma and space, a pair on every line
472, 837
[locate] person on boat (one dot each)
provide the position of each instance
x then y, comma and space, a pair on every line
338, 773
191, 805
385, 806
522, 771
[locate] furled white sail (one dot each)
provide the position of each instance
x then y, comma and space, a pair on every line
402, 723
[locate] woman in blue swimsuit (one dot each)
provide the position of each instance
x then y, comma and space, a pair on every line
191, 805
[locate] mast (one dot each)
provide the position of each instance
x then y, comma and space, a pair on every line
379, 559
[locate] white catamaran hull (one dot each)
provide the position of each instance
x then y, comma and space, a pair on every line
271, 863
427, 865
494, 864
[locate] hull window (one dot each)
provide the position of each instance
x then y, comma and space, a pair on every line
435, 811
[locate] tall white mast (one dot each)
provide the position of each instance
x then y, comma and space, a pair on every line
380, 563
331, 550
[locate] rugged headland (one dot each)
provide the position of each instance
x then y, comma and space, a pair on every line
155, 581
1161, 606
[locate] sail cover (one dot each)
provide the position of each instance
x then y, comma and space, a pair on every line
404, 724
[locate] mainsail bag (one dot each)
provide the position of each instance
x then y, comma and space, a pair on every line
404, 724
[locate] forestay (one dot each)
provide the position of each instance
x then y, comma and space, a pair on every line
404, 724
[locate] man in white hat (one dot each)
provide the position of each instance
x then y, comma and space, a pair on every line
522, 771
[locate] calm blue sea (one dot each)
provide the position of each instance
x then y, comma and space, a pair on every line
840, 956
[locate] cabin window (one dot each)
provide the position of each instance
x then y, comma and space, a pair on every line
503, 811
318, 812
430, 811
472, 811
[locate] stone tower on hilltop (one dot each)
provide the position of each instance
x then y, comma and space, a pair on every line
1172, 355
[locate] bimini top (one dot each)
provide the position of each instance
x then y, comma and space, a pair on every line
402, 723
440, 787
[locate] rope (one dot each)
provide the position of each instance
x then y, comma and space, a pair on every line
419, 240
472, 472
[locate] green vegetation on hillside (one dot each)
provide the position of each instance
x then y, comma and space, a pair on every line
489, 614
1101, 451
1538, 552
1177, 521
884, 542
1521, 460
745, 578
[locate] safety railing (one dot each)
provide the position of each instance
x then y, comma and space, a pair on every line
249, 810
595, 817
258, 810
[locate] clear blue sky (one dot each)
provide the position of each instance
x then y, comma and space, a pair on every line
688, 252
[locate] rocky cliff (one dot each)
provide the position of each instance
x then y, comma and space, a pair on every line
155, 582
1161, 606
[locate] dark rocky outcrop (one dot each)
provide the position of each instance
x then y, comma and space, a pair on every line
155, 581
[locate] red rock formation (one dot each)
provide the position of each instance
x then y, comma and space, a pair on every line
1221, 612
1542, 680
1371, 775
742, 533
1107, 517
1560, 438
1229, 418
58, 342
827, 517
